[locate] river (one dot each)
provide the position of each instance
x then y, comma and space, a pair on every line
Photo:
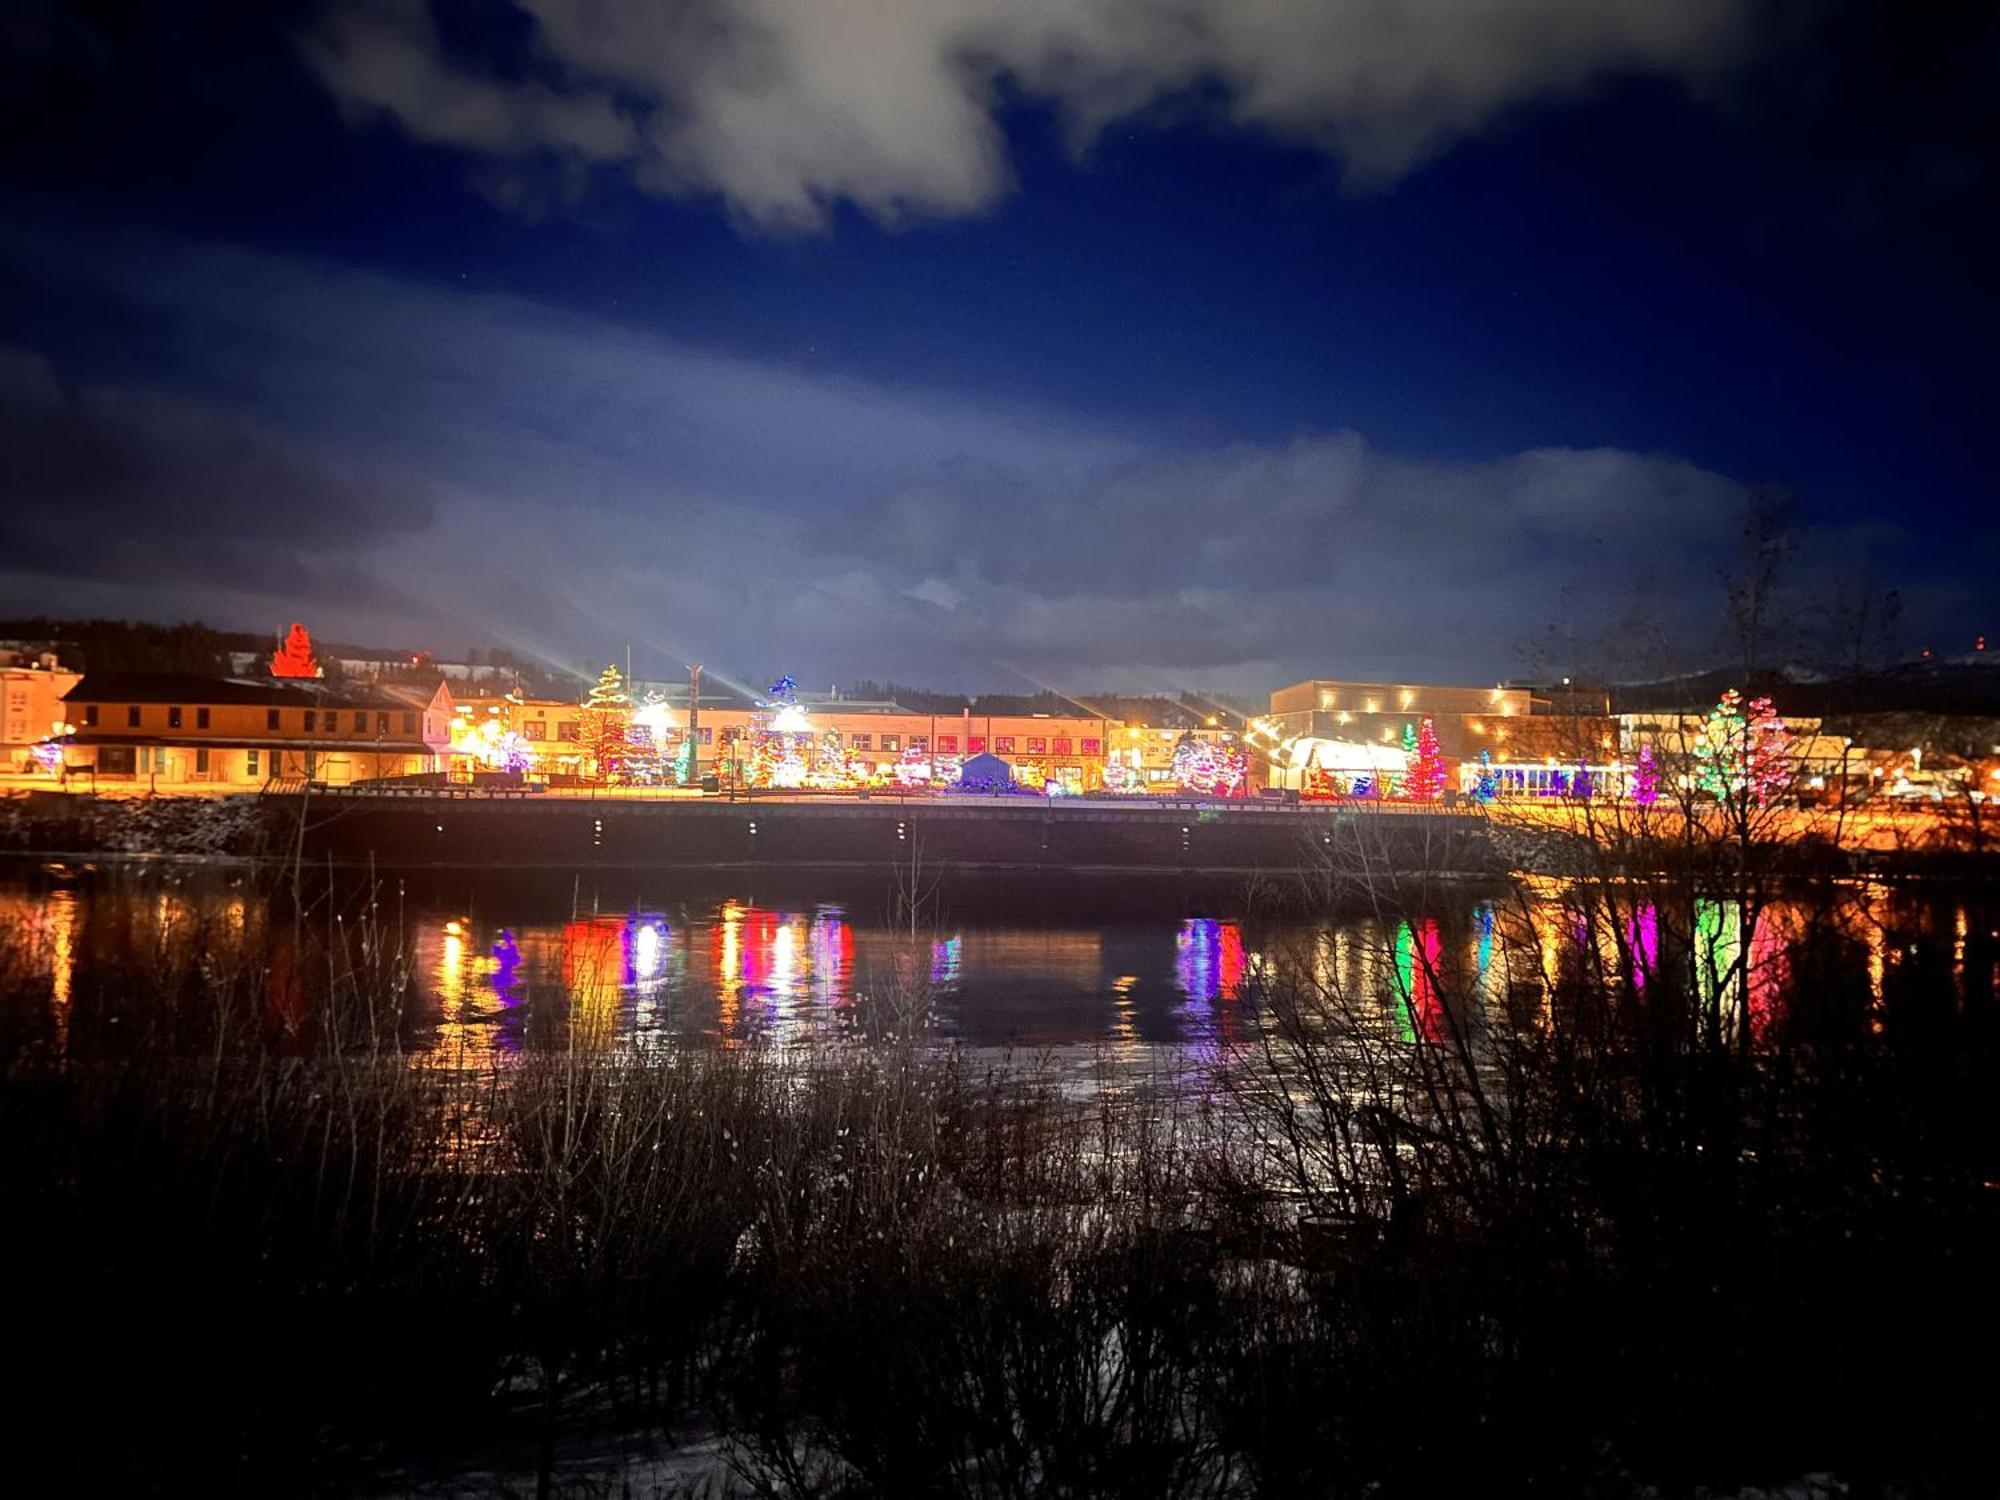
1118, 972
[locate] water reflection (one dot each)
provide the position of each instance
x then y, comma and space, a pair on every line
485, 983
1209, 960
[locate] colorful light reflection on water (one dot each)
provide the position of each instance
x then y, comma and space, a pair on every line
490, 984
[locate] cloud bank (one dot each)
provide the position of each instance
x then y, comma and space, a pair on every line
383, 456
788, 107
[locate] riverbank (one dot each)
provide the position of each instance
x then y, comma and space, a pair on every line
915, 839
1525, 1201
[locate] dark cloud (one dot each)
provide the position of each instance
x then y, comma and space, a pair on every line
515, 474
141, 484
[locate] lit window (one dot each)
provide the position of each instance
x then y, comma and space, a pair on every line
860, 741
533, 730
976, 745
892, 742
1004, 744
250, 763
948, 744
1062, 745
1037, 745
1093, 747
919, 742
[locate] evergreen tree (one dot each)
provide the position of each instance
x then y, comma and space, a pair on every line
1426, 778
1646, 778
1721, 750
1768, 753
295, 657
1487, 786
1743, 754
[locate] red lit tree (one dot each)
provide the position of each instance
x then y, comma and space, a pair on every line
1768, 760
1426, 779
295, 658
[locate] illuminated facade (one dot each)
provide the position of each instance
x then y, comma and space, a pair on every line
883, 738
1494, 726
178, 730
31, 713
880, 743
1468, 719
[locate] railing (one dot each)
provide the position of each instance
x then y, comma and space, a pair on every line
460, 791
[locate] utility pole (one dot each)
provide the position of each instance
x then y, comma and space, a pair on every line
694, 724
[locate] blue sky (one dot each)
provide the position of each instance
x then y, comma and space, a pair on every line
1134, 343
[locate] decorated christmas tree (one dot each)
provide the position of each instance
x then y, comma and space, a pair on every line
829, 765
756, 757
1767, 753
1646, 778
782, 750
684, 762
1426, 778
491, 746
1486, 786
295, 657
1722, 748
789, 761
1741, 754
604, 731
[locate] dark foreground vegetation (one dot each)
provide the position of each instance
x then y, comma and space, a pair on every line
1614, 1216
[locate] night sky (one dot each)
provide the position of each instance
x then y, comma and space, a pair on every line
1101, 343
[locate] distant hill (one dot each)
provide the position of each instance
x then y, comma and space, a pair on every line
1954, 686
125, 645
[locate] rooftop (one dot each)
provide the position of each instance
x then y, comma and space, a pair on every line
248, 692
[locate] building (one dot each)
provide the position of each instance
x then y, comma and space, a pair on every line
1072, 751
1468, 719
1067, 750
1349, 727
31, 711
178, 731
